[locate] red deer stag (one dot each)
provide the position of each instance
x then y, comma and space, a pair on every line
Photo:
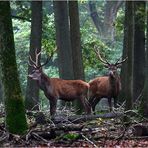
56, 88
106, 86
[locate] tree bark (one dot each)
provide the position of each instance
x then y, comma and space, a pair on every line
76, 40
139, 49
14, 105
78, 68
1, 92
144, 98
105, 26
63, 39
95, 17
32, 90
128, 47
127, 67
110, 13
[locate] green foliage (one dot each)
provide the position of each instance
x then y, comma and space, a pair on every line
21, 8
71, 136
89, 38
21, 37
49, 37
119, 25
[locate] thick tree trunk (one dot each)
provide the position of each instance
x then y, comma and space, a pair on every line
32, 90
63, 39
127, 68
95, 17
129, 45
144, 98
110, 13
139, 49
78, 68
106, 27
75, 40
1, 92
14, 105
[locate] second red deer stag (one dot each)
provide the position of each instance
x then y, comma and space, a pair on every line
56, 88
106, 86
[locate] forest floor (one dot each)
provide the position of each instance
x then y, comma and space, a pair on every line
62, 132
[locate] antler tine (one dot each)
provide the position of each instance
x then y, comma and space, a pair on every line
117, 63
49, 58
37, 57
118, 60
99, 56
32, 65
32, 61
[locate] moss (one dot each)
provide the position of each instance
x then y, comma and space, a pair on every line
14, 106
15, 117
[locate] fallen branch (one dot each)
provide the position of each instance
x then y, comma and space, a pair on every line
84, 118
91, 142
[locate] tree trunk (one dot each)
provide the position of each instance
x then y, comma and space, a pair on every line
128, 47
1, 92
75, 40
14, 105
139, 49
63, 39
95, 17
144, 98
127, 68
78, 68
106, 27
110, 13
32, 90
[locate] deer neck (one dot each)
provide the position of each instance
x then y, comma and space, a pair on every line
44, 82
114, 80
115, 84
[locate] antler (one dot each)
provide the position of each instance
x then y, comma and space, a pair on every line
104, 61
35, 63
118, 63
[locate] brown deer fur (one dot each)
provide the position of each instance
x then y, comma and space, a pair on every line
104, 87
56, 88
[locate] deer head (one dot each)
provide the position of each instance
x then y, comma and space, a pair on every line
37, 68
112, 67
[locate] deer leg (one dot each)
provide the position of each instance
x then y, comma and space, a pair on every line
110, 104
94, 103
53, 104
85, 104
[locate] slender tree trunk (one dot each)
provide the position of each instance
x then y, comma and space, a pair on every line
78, 68
139, 49
14, 105
144, 98
32, 90
63, 39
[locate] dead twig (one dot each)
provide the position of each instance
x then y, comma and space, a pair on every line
91, 142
